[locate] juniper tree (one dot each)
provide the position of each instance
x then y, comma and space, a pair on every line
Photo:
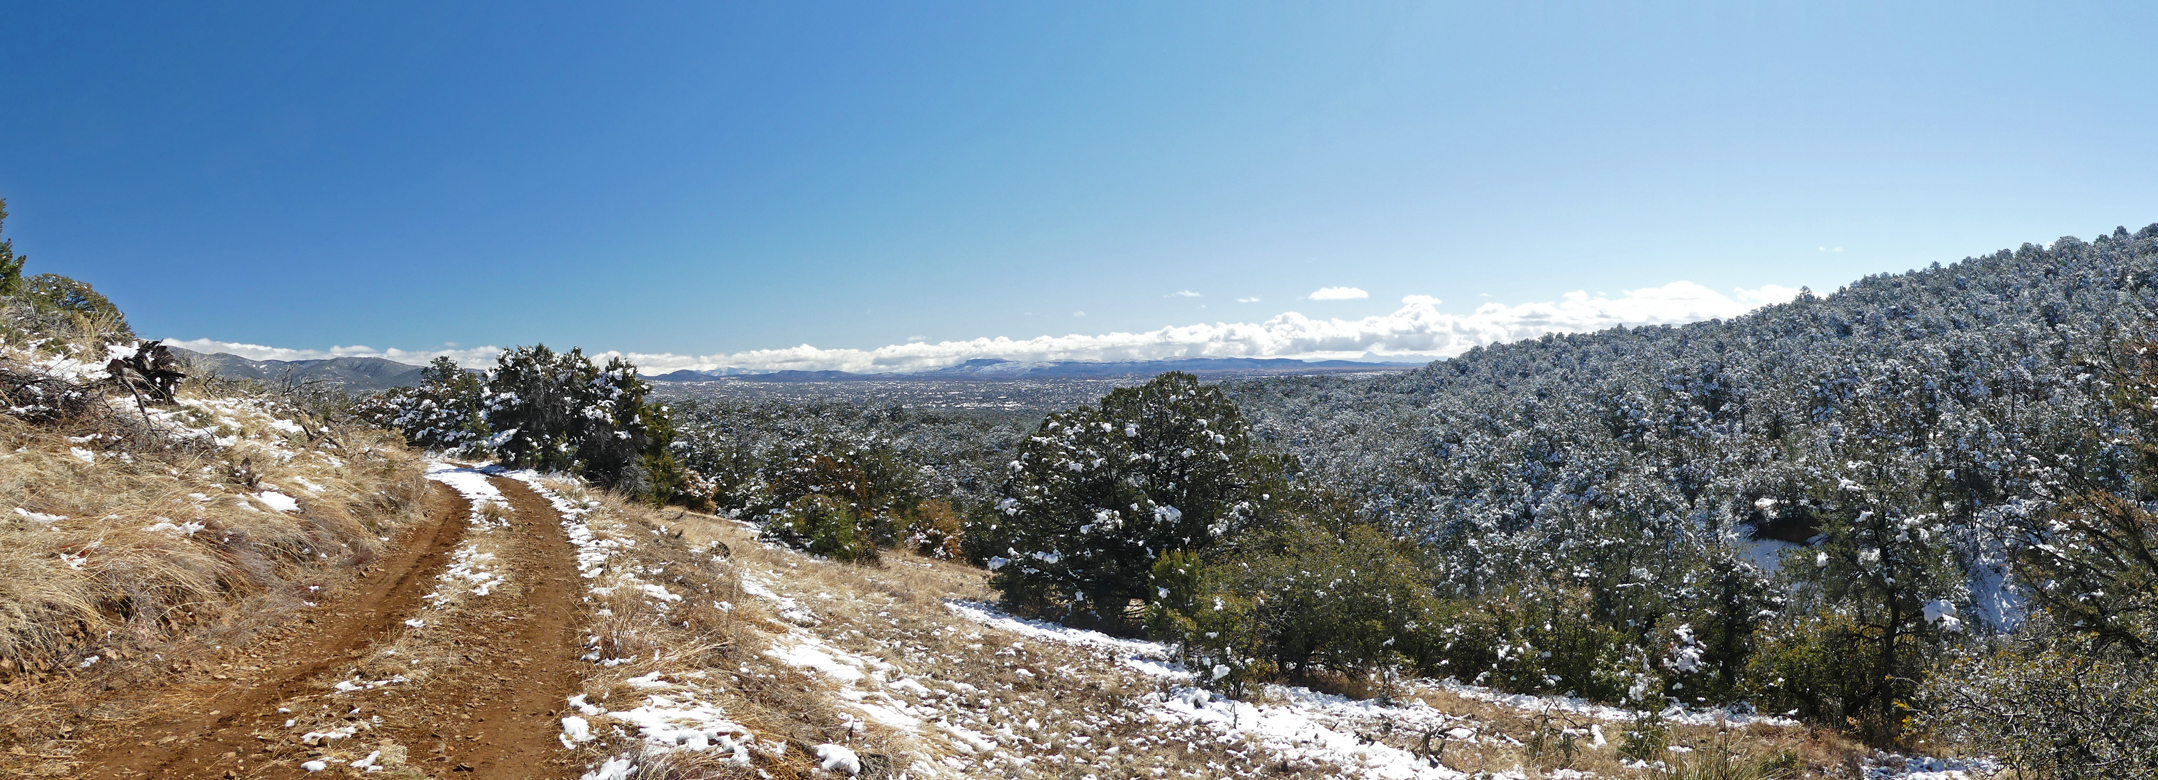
535, 406
1099, 493
10, 264
442, 412
558, 412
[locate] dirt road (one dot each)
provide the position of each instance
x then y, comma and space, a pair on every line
505, 663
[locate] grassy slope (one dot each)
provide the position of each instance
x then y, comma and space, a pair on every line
133, 541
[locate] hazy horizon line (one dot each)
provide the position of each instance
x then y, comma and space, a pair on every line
1415, 331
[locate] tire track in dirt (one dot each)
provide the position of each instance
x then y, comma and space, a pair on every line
497, 715
493, 712
198, 722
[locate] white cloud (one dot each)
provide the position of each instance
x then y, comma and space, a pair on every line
1182, 294
1417, 328
469, 358
1424, 299
1337, 294
1252, 299
1079, 313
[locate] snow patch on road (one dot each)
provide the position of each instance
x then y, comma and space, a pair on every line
468, 482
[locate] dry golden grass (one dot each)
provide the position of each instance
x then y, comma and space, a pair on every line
703, 632
890, 618
127, 547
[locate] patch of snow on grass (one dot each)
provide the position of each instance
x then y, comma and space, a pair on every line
39, 517
1313, 728
1893, 767
1152, 658
865, 682
278, 501
678, 718
808, 653
177, 529
838, 758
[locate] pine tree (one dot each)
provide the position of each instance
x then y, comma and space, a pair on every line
558, 412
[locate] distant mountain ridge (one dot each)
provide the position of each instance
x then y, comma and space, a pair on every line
361, 374
994, 369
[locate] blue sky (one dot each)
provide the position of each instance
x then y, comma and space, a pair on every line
711, 179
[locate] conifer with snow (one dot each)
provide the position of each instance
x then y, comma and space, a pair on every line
1099, 493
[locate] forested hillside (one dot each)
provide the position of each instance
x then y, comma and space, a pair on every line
1973, 384
1972, 368
1915, 432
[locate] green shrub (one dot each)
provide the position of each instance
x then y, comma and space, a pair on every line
442, 412
65, 316
558, 412
2054, 706
1349, 603
1826, 667
866, 480
1548, 641
1215, 630
1460, 638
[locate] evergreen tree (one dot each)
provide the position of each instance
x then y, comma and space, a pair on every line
442, 412
10, 264
614, 435
1100, 493
558, 412
535, 405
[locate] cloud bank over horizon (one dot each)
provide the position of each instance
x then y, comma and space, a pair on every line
1416, 329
